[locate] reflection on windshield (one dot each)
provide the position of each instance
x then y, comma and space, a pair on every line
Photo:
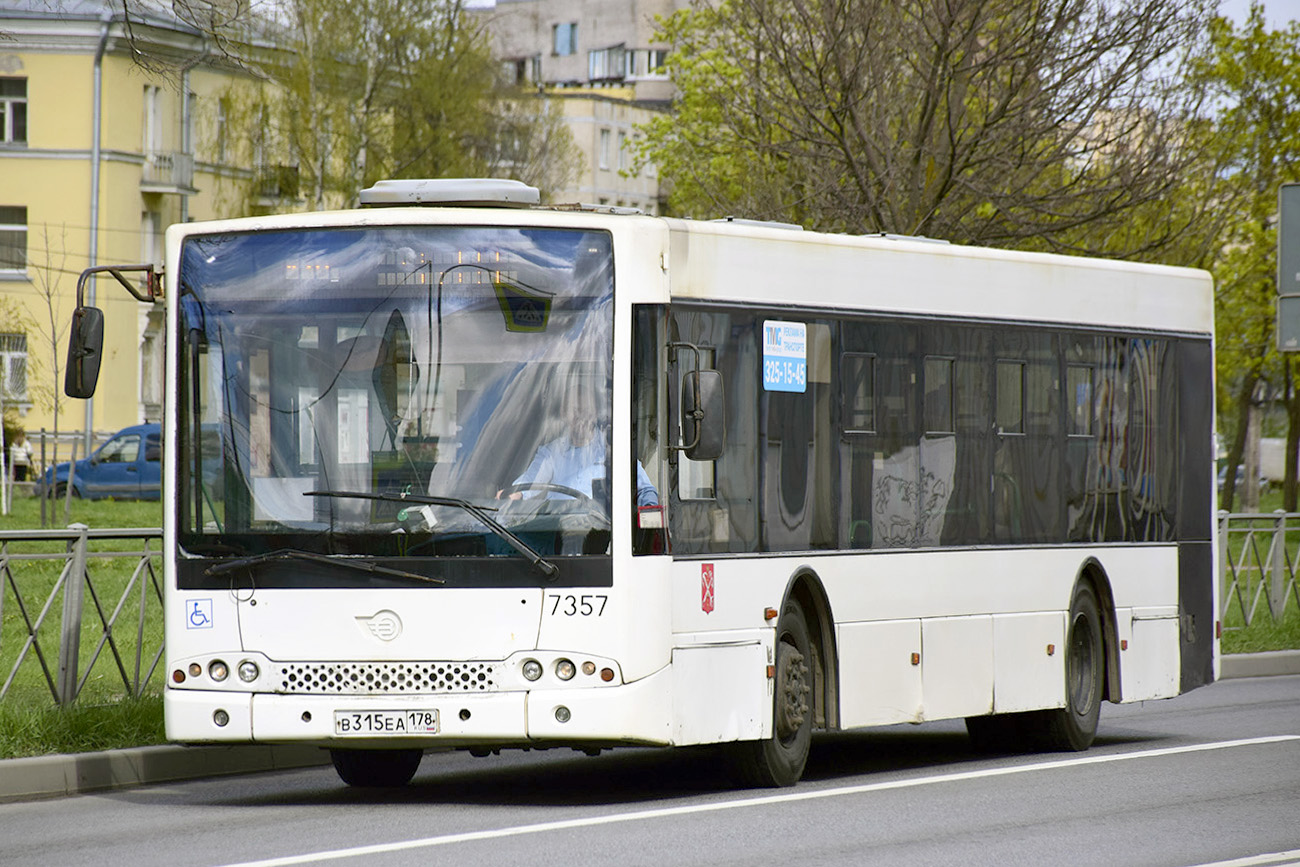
460, 363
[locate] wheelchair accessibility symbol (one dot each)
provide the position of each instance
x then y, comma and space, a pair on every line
199, 614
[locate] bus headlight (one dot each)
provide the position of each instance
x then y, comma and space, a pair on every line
532, 669
565, 670
218, 670
248, 671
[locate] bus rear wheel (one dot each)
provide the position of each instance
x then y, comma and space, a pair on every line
780, 759
376, 768
1073, 727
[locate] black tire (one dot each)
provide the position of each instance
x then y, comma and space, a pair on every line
376, 768
998, 733
59, 491
1073, 727
780, 759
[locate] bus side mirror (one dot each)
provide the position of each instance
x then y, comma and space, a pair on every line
85, 351
703, 420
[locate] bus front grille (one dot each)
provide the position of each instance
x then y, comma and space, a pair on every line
385, 678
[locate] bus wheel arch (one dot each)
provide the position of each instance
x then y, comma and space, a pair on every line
1095, 574
806, 588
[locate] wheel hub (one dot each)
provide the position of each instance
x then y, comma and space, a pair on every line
794, 691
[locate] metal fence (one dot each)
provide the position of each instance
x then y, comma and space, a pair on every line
1257, 565
61, 590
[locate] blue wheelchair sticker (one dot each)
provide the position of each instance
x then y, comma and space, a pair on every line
198, 614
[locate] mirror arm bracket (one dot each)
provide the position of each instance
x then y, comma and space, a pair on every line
696, 411
153, 289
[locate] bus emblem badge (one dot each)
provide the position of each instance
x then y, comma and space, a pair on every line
706, 587
384, 625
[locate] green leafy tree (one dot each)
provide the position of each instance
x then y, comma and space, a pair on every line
1027, 123
360, 90
1253, 74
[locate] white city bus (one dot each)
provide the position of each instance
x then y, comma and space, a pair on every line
459, 471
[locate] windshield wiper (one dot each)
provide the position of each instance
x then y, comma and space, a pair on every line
311, 556
547, 568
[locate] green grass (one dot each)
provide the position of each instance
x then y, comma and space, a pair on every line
105, 716
33, 729
25, 514
1264, 633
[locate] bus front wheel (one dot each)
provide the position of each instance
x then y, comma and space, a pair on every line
780, 759
376, 768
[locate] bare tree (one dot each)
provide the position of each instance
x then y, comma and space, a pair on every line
1011, 122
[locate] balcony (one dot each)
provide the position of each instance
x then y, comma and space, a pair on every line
168, 172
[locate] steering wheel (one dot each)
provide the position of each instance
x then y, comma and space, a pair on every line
549, 487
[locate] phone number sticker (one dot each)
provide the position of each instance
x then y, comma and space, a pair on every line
785, 356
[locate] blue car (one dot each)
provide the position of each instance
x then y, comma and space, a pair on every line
127, 467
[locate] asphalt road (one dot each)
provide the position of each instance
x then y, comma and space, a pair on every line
1212, 777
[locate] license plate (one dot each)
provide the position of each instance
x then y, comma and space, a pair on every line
385, 722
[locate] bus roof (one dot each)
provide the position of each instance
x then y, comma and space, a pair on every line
748, 262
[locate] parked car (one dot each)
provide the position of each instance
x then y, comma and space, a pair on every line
127, 467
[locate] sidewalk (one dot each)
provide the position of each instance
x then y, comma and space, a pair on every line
55, 776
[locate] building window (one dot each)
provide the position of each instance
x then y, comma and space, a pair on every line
564, 38
13, 238
223, 129
622, 152
604, 148
13, 110
646, 63
13, 366
607, 64
151, 236
152, 134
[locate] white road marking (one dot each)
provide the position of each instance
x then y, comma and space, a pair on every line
768, 800
1275, 859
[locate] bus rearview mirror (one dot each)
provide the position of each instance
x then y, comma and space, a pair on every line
703, 421
85, 351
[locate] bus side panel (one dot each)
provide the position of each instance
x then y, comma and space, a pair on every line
879, 682
1028, 661
1149, 652
956, 667
721, 693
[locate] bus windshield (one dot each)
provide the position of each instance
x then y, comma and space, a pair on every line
326, 375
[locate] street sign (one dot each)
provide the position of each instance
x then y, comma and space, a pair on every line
1288, 268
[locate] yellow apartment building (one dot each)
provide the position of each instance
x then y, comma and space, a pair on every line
99, 153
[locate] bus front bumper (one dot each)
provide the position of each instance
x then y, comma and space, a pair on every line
633, 713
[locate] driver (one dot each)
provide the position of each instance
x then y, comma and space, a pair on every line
576, 459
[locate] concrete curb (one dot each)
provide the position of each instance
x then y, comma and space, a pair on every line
79, 773
1259, 664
